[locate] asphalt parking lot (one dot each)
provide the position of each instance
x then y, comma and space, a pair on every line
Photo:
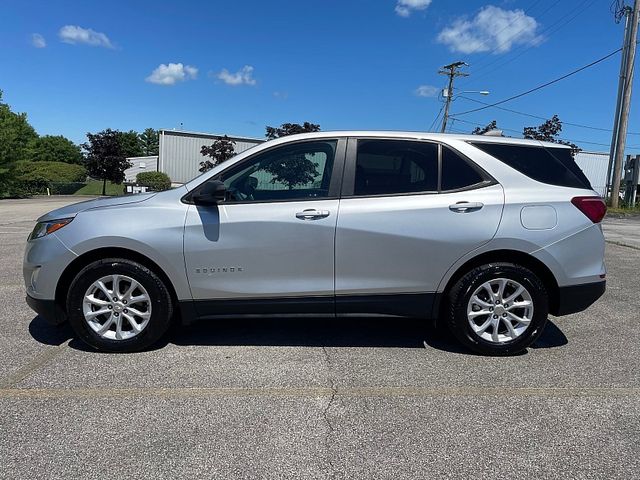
302, 398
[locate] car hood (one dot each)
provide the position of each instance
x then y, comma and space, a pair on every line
102, 202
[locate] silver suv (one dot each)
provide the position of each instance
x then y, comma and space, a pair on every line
488, 235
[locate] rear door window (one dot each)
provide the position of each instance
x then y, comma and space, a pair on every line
386, 167
554, 166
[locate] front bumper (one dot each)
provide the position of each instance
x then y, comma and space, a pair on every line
47, 309
577, 298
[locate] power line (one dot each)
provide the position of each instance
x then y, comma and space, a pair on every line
542, 118
602, 59
435, 120
520, 133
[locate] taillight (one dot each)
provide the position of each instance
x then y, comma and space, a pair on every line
593, 207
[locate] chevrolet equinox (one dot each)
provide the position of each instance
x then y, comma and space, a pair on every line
488, 235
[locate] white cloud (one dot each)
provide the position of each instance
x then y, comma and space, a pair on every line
426, 91
281, 95
172, 73
244, 76
492, 29
74, 35
404, 8
38, 40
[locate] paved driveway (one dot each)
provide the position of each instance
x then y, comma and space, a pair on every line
302, 398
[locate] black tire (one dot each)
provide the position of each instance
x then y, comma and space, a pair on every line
160, 303
460, 294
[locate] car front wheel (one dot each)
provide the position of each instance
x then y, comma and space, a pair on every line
498, 308
118, 305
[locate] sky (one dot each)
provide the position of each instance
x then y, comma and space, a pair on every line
234, 67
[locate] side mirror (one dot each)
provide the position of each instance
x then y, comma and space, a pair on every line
211, 193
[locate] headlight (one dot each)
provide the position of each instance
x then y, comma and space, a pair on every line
45, 228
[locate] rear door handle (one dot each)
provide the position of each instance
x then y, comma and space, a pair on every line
312, 214
465, 207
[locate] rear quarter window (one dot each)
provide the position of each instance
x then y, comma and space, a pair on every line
553, 166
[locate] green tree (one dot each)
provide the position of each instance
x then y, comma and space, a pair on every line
15, 135
548, 132
292, 170
149, 141
290, 129
53, 148
492, 125
131, 143
106, 158
219, 151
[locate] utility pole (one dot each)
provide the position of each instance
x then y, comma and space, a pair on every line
625, 12
620, 136
451, 71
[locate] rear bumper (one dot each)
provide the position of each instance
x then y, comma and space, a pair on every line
577, 298
47, 309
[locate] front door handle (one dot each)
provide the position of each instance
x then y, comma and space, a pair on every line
466, 207
312, 214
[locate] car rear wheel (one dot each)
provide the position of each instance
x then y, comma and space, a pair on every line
118, 305
498, 309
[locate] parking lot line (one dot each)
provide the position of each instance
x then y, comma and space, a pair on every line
321, 391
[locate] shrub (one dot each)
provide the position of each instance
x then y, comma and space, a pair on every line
35, 177
156, 181
50, 171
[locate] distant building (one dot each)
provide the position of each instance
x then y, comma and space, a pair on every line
179, 152
140, 164
594, 165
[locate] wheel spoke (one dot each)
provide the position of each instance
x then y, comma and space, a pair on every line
100, 284
515, 294
127, 295
478, 313
509, 325
494, 334
96, 301
119, 328
487, 287
522, 304
502, 283
97, 312
115, 279
523, 321
138, 313
482, 328
132, 322
138, 299
105, 326
477, 300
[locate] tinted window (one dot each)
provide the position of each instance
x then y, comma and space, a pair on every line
395, 166
456, 171
554, 166
299, 171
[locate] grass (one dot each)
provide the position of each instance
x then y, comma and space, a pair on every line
94, 187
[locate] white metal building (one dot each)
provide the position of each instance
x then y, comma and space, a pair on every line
140, 164
180, 155
594, 165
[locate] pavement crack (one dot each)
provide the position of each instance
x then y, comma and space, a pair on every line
37, 362
325, 414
